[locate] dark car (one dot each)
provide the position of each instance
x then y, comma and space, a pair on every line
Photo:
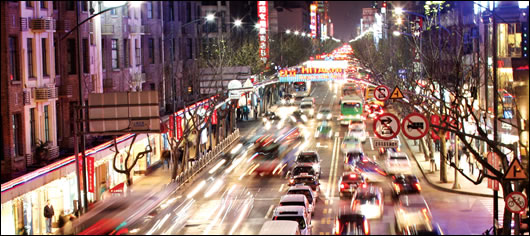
298, 117
350, 223
349, 182
405, 184
303, 168
306, 179
287, 99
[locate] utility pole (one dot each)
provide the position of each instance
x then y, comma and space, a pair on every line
495, 113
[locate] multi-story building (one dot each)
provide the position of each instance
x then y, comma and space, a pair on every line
29, 93
69, 73
221, 26
293, 16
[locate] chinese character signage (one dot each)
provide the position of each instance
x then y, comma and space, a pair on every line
263, 23
313, 15
179, 127
90, 173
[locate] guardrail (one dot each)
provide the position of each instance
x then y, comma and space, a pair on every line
204, 160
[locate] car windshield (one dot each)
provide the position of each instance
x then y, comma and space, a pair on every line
355, 105
305, 180
351, 140
305, 106
324, 128
398, 157
354, 156
305, 192
367, 199
357, 130
307, 158
325, 111
303, 169
299, 219
292, 204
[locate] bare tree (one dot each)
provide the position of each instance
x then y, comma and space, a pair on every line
130, 159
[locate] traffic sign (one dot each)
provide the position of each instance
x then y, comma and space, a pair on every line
386, 126
379, 143
516, 202
515, 171
396, 94
382, 93
415, 126
493, 160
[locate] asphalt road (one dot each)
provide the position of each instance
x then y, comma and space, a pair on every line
224, 200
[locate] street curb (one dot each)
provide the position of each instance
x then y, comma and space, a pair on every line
439, 187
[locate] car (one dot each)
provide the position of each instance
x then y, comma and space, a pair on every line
369, 201
360, 163
385, 152
352, 157
358, 132
405, 184
311, 157
300, 168
348, 222
350, 143
324, 114
308, 99
356, 123
295, 213
308, 108
297, 200
287, 99
306, 179
306, 190
349, 182
298, 117
398, 163
410, 203
324, 130
280, 227
416, 223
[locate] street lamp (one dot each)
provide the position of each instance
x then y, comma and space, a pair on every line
303, 34
288, 31
238, 23
296, 32
210, 17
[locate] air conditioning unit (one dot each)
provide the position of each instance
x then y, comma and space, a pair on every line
42, 24
46, 93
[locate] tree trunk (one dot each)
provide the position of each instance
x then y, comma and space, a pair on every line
174, 170
507, 219
424, 149
443, 157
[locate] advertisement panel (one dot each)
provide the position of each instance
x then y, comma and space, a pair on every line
179, 127
313, 15
263, 23
90, 173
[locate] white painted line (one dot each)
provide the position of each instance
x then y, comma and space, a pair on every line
336, 168
269, 212
371, 144
337, 134
281, 188
328, 190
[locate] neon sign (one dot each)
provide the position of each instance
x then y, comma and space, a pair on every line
263, 22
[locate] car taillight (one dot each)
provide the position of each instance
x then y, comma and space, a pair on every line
291, 181
364, 185
424, 211
355, 203
418, 187
366, 227
343, 185
336, 229
377, 202
365, 160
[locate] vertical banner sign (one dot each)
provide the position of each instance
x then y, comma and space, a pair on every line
179, 127
171, 125
263, 22
313, 15
81, 181
214, 117
90, 173
493, 160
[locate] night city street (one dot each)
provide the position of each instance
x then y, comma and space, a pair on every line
265, 118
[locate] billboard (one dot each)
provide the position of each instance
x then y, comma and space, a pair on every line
313, 15
263, 23
123, 112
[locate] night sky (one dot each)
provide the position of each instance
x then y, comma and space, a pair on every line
345, 16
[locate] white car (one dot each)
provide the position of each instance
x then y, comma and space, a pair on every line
308, 99
297, 200
358, 123
308, 108
294, 213
350, 143
398, 163
324, 114
369, 201
408, 205
306, 190
360, 133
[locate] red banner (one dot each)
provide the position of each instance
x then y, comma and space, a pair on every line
179, 127
214, 117
81, 183
313, 15
171, 126
493, 160
263, 23
90, 173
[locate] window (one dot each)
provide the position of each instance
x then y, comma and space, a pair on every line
13, 59
189, 51
44, 58
17, 135
126, 11
114, 47
54, 5
43, 4
32, 127
188, 12
113, 12
86, 59
84, 6
151, 48
153, 87
171, 11
29, 3
126, 53
46, 124
137, 51
56, 56
103, 56
223, 22
58, 119
71, 60
70, 5
31, 73
149, 9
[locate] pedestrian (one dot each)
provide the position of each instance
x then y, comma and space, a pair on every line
238, 114
256, 112
48, 214
61, 222
245, 113
102, 190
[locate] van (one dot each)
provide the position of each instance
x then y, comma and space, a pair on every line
280, 227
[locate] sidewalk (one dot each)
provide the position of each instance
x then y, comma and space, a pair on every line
433, 178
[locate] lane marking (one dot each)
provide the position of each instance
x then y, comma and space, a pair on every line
371, 144
327, 202
328, 191
281, 188
325, 211
330, 210
327, 233
337, 134
269, 211
336, 168
328, 221
321, 233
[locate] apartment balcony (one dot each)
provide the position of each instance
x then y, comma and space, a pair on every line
139, 78
136, 29
46, 93
66, 91
42, 25
107, 29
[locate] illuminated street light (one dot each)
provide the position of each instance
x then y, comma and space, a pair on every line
296, 32
399, 21
238, 23
256, 26
210, 17
399, 11
303, 34
288, 31
396, 33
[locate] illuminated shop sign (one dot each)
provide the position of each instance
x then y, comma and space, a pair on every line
313, 15
306, 71
263, 22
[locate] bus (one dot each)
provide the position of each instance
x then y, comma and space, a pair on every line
302, 89
348, 90
351, 108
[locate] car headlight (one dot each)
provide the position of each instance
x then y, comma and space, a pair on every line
316, 167
311, 112
264, 119
319, 116
283, 101
304, 118
293, 119
329, 116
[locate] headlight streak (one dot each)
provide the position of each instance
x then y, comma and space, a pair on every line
243, 213
216, 186
197, 189
234, 165
236, 148
217, 166
158, 224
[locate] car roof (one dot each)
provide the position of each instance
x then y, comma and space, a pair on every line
306, 152
289, 210
303, 164
305, 175
412, 200
293, 198
300, 187
398, 154
355, 150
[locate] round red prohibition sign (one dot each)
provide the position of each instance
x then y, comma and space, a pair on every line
382, 93
516, 202
386, 126
415, 126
